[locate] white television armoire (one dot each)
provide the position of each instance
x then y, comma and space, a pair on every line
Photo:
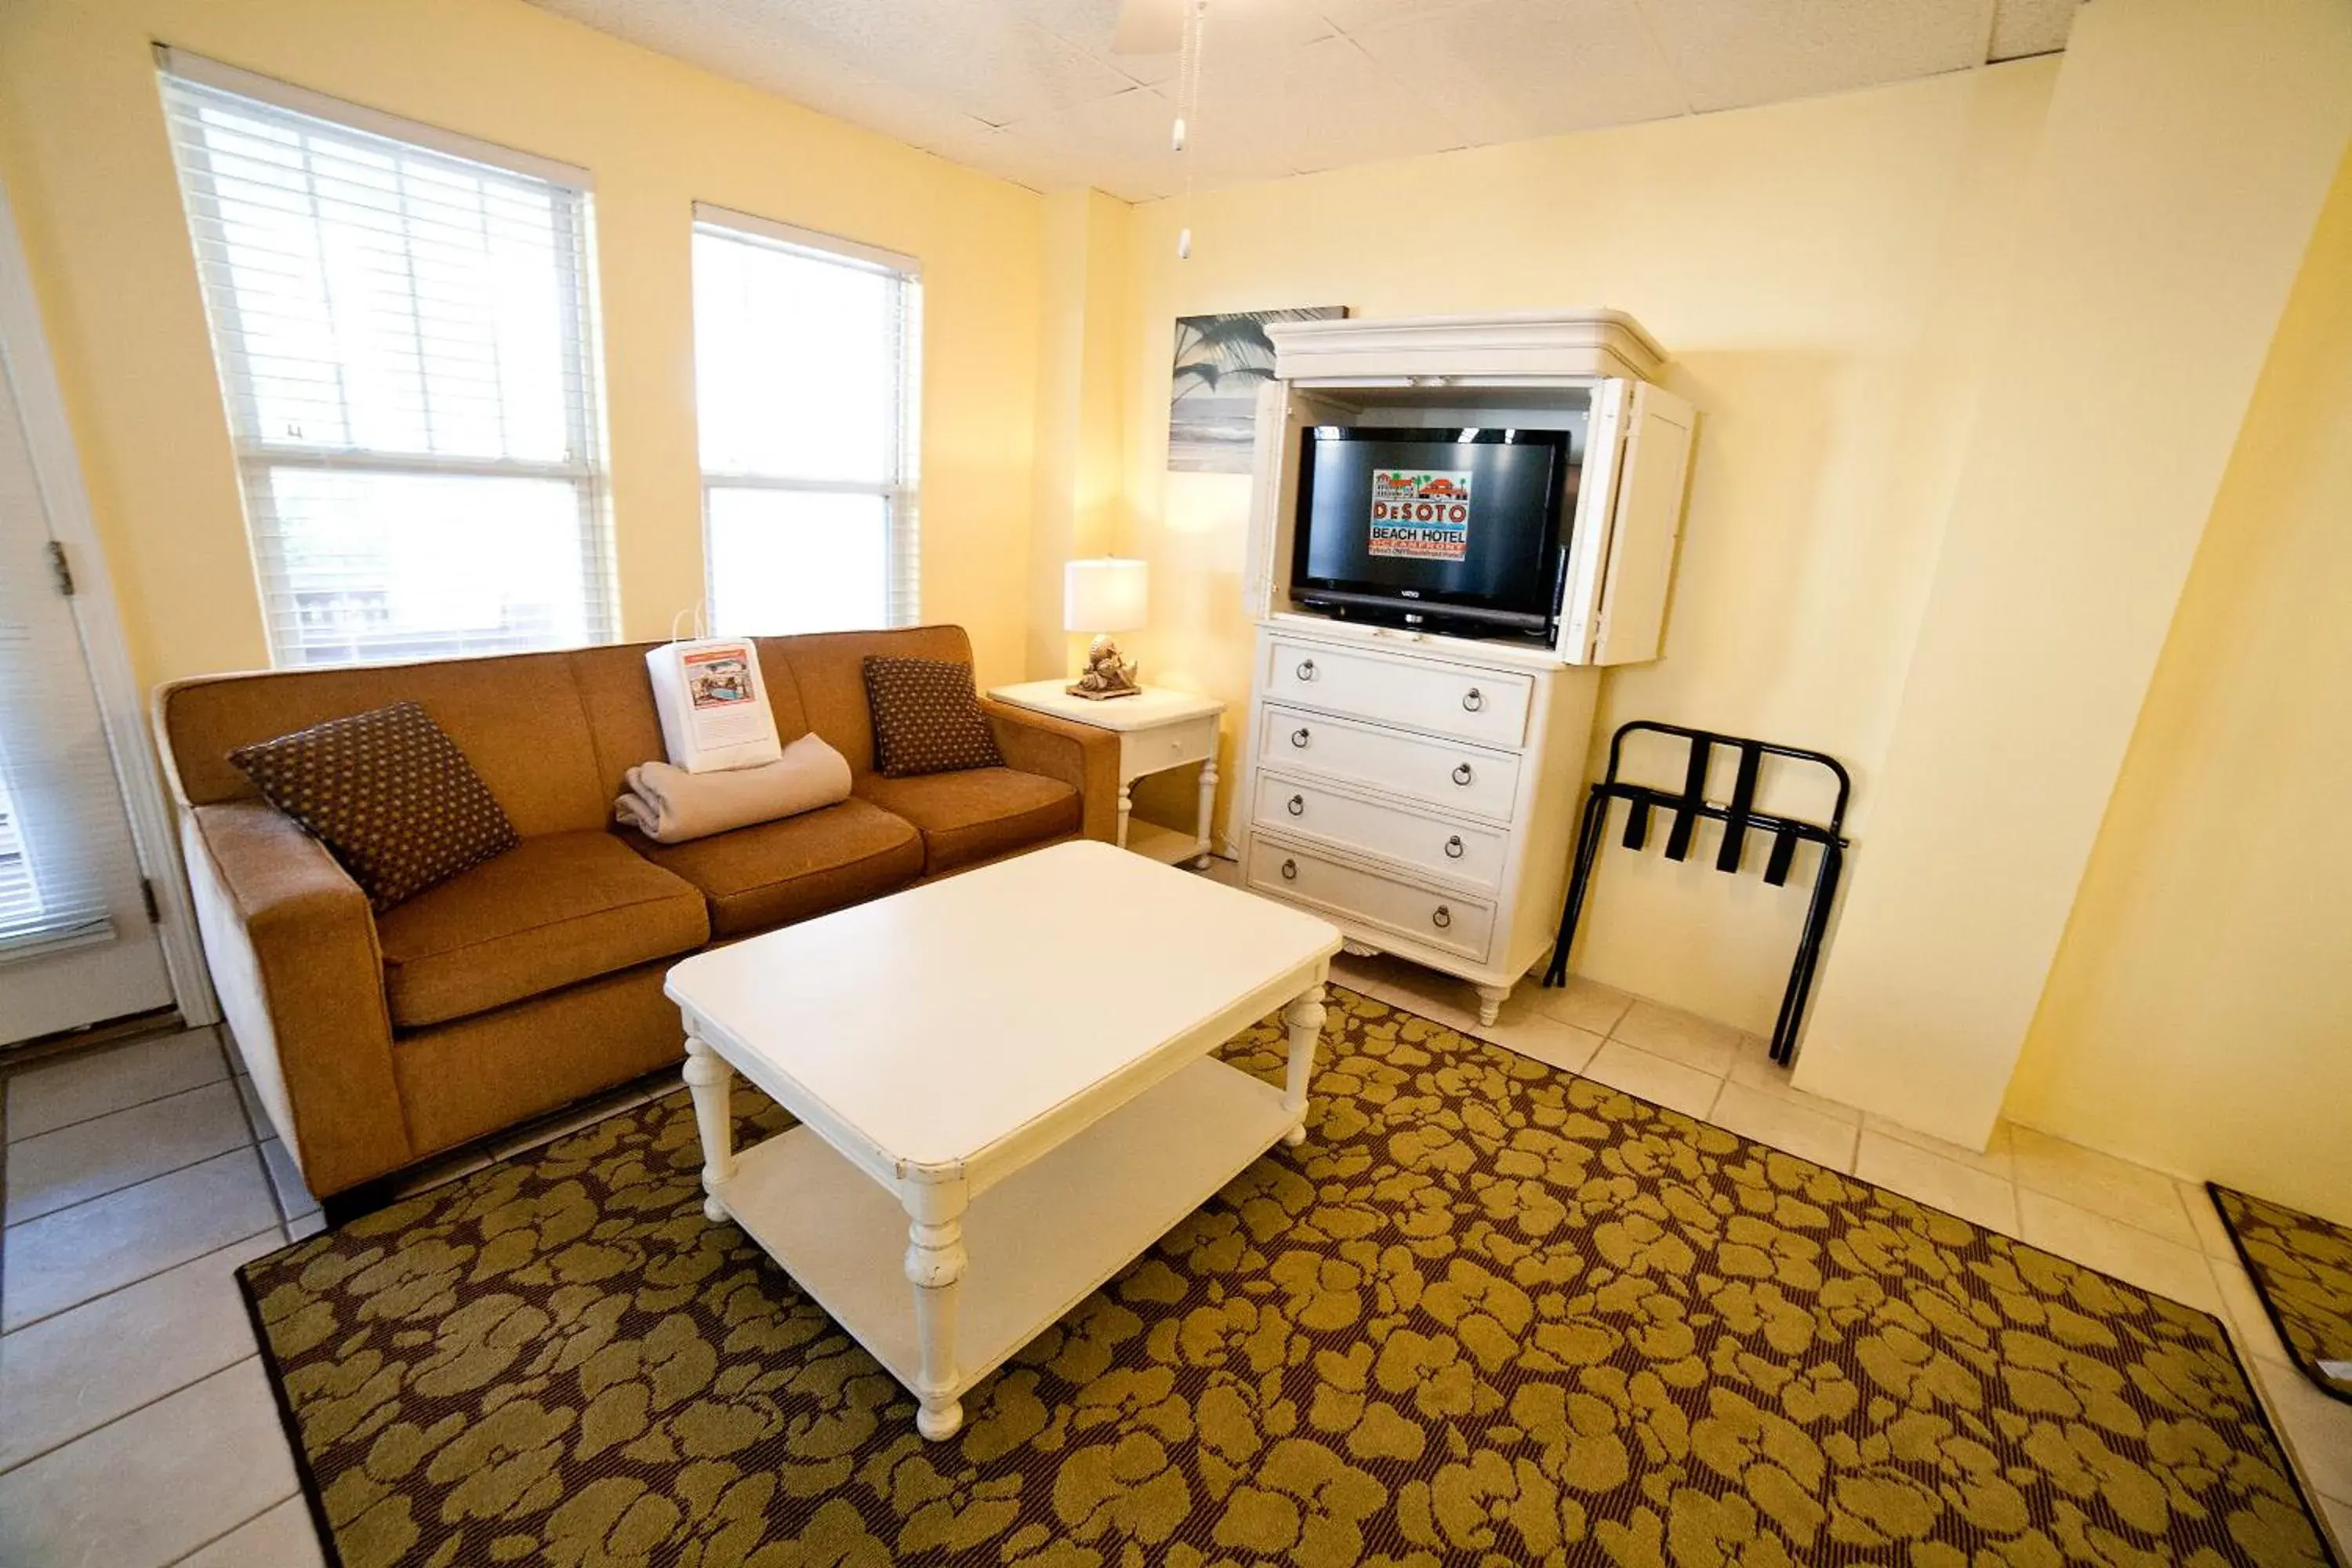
1421, 790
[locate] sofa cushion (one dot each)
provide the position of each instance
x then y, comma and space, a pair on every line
828, 671
773, 873
556, 909
515, 716
390, 794
976, 815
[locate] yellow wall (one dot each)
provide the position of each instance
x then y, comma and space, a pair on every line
1822, 274
2187, 155
2199, 1015
1079, 500
83, 154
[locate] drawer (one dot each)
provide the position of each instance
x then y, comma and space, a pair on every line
1448, 922
1461, 851
1442, 773
1144, 751
1489, 706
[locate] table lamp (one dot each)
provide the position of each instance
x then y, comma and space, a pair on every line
1104, 595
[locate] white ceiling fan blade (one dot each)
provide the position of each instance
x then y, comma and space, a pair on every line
1149, 27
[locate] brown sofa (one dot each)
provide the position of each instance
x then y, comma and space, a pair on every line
529, 980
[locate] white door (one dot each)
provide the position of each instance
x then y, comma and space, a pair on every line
78, 945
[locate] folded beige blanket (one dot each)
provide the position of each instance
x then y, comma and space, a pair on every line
670, 806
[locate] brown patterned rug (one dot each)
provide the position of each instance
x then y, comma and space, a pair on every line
1489, 1314
2302, 1267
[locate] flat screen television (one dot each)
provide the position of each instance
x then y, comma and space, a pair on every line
1443, 530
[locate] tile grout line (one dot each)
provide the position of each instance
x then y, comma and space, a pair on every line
255, 1140
128, 1186
126, 1110
127, 1284
116, 1110
293, 1496
2025, 1186
151, 1176
14, 1466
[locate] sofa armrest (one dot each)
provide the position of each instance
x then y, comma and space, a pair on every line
291, 944
1085, 758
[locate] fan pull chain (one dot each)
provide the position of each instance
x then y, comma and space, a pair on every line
1187, 108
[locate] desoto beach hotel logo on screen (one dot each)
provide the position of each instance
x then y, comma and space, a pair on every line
1421, 513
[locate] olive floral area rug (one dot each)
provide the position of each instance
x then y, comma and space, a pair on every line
1488, 1314
2302, 1267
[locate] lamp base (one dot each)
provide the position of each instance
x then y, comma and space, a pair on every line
1105, 675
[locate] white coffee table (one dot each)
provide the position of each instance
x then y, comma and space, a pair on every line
1005, 1091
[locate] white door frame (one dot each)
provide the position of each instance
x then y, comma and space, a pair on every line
56, 470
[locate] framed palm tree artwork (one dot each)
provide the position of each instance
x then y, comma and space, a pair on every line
1221, 362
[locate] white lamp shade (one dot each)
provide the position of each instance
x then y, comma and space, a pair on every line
1106, 594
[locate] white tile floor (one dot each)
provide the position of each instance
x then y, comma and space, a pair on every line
137, 1430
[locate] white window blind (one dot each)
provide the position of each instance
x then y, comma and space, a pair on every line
60, 852
807, 383
405, 341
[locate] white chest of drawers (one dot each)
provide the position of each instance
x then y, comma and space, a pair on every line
1421, 796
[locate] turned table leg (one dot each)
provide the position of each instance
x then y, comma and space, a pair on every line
935, 1264
1208, 809
1302, 1018
1490, 1004
710, 1080
1126, 809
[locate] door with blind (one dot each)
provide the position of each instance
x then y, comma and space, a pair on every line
76, 943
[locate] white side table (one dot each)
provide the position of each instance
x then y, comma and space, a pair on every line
1158, 729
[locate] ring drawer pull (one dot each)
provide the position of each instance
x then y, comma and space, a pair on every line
1454, 848
1306, 670
1299, 737
1290, 870
1298, 806
1462, 774
1474, 700
1441, 917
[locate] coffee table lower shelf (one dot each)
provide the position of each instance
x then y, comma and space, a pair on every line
1040, 1241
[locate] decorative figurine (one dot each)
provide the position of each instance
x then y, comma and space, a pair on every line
1107, 675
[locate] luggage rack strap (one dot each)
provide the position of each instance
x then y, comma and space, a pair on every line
1690, 806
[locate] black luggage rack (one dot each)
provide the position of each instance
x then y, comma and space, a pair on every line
1739, 818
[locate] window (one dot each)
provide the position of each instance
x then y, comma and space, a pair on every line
806, 385
401, 323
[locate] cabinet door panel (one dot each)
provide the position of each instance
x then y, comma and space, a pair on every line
1644, 524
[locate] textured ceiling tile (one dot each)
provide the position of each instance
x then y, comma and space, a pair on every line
2022, 28
1315, 108
1731, 55
1087, 25
1029, 89
1356, 18
719, 36
976, 55
1509, 69
1118, 145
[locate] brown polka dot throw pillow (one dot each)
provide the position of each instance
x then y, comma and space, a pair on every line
927, 718
388, 792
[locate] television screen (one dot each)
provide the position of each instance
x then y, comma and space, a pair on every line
1423, 526
1433, 525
